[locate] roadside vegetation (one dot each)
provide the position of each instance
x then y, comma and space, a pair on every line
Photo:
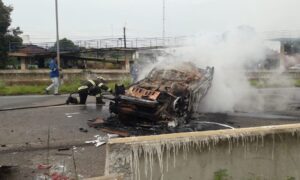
9, 36
65, 88
72, 86
267, 84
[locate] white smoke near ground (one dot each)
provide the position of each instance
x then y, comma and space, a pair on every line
229, 53
232, 54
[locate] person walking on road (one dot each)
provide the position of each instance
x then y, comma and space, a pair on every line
54, 75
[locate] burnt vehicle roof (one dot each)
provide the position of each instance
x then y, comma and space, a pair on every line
165, 79
166, 96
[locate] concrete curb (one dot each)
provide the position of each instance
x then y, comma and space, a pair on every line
252, 131
42, 146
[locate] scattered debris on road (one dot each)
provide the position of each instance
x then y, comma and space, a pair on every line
69, 115
100, 140
198, 122
52, 172
95, 122
115, 131
64, 149
83, 130
44, 166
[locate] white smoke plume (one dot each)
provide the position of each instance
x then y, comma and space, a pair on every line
229, 53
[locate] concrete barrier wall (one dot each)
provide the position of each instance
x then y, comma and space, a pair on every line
270, 152
42, 75
11, 77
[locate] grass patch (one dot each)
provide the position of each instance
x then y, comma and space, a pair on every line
297, 83
21, 90
65, 88
125, 81
70, 86
222, 174
265, 84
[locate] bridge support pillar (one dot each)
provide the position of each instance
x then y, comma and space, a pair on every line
127, 64
23, 64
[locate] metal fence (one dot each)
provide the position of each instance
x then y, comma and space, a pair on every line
136, 43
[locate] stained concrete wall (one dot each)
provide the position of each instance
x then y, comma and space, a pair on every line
271, 152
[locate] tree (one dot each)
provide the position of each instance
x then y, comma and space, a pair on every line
7, 36
65, 45
4, 24
4, 18
13, 40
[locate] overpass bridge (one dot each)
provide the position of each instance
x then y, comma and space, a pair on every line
136, 43
108, 44
115, 49
112, 50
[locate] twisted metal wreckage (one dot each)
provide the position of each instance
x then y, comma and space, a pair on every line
165, 97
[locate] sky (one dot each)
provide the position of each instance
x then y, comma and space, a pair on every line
96, 19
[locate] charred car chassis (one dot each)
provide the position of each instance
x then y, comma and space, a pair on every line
166, 96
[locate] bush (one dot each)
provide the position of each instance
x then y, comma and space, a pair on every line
2, 84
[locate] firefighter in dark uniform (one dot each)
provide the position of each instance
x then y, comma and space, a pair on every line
90, 88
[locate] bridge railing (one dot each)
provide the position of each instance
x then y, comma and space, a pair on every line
135, 43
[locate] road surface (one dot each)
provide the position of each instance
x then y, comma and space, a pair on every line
32, 137
51, 135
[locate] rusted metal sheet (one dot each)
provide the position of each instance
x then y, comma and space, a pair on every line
141, 92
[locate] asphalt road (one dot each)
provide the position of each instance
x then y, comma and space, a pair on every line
32, 137
51, 135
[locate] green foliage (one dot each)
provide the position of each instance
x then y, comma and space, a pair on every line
7, 36
71, 86
68, 87
13, 62
257, 83
115, 55
65, 45
125, 81
291, 178
5, 19
13, 38
266, 84
33, 89
2, 84
222, 174
4, 24
21, 89
297, 83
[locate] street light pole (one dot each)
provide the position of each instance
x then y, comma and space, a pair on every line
57, 35
164, 22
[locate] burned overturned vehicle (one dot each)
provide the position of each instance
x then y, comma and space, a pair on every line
166, 96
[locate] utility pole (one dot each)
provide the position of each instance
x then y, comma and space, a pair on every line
124, 34
57, 35
112, 30
164, 21
127, 64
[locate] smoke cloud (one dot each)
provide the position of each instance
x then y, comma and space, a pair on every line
230, 53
